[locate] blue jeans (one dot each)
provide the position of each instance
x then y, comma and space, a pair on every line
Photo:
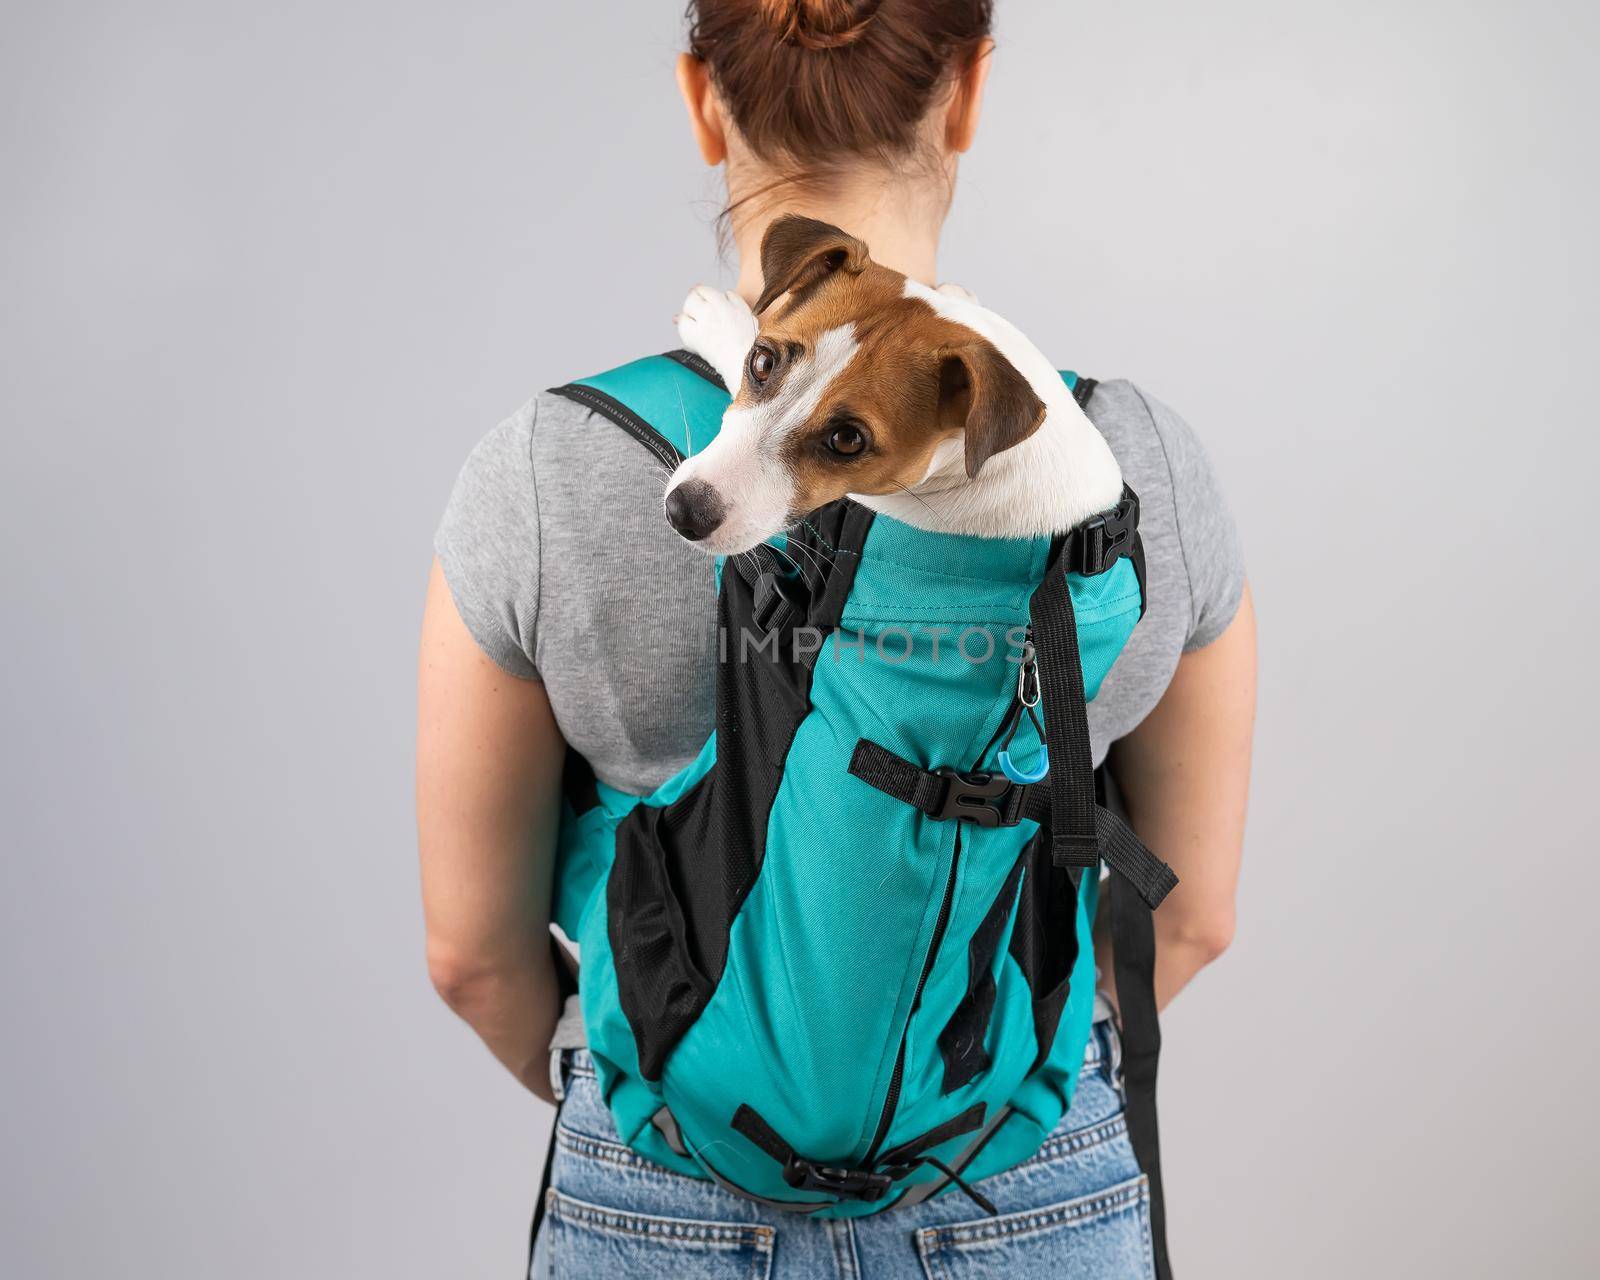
1078, 1210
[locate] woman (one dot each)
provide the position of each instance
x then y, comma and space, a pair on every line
562, 612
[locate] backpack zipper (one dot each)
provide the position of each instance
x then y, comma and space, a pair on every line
892, 1098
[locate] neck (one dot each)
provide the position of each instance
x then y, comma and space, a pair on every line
899, 222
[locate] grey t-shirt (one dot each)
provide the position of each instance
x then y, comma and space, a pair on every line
562, 566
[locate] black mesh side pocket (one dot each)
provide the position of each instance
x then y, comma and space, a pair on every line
662, 983
681, 873
1044, 942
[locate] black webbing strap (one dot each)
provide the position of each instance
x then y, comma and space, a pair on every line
750, 1122
810, 1175
667, 1126
870, 1184
1129, 856
1133, 949
908, 1153
897, 777
993, 801
1120, 847
566, 985
544, 1193
927, 1190
990, 800
1074, 841
781, 585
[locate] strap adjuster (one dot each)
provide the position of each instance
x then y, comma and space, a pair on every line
847, 1184
1074, 850
988, 799
1099, 542
778, 600
984, 798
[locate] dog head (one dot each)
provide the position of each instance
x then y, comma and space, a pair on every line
851, 386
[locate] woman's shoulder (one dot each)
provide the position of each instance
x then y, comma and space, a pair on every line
551, 442
487, 543
550, 493
1184, 516
543, 433
1151, 440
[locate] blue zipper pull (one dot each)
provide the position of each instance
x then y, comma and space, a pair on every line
1020, 776
1028, 698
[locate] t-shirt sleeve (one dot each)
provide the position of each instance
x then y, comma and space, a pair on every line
1206, 534
488, 545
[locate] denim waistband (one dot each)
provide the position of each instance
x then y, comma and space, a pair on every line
569, 1052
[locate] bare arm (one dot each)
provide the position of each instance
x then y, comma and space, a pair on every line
489, 761
1185, 776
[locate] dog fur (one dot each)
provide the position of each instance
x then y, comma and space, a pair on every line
850, 379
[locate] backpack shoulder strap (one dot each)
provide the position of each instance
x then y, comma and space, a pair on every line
671, 404
1081, 387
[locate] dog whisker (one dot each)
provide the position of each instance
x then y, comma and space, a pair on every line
905, 489
787, 552
816, 557
683, 409
812, 558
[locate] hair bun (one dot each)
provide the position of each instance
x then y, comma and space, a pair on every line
819, 24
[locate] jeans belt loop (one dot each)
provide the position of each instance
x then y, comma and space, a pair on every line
1113, 1036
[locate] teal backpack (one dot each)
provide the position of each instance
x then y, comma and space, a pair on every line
844, 961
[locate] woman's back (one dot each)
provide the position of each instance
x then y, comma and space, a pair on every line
564, 568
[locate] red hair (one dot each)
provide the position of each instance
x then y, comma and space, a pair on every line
812, 83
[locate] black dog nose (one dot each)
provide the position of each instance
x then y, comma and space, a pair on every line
695, 509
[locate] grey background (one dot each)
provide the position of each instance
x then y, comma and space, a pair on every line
270, 270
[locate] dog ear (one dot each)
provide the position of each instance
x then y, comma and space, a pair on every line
981, 392
796, 252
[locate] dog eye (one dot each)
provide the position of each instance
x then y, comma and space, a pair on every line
847, 440
763, 360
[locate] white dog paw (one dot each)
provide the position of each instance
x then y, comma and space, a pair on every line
719, 327
953, 290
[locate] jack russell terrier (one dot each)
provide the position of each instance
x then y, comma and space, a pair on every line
916, 402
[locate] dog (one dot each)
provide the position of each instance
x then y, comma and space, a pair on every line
916, 402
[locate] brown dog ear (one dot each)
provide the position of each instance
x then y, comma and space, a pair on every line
981, 392
798, 251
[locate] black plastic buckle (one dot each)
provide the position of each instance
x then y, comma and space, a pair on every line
977, 797
1104, 539
847, 1184
779, 600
